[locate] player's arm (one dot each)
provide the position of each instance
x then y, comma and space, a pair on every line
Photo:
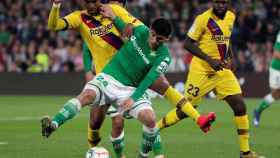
56, 23
191, 46
123, 21
194, 34
87, 61
107, 12
160, 66
125, 15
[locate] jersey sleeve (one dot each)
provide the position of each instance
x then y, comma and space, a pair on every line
56, 23
197, 28
87, 59
277, 43
160, 66
73, 20
125, 15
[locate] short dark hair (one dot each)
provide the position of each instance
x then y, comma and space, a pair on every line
162, 27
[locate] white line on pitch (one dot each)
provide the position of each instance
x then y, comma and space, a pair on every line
3, 143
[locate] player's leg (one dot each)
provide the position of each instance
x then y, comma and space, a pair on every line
97, 116
93, 93
162, 86
145, 114
117, 135
70, 109
183, 107
229, 90
274, 84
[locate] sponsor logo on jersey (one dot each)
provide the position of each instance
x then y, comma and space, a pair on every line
101, 30
220, 38
139, 50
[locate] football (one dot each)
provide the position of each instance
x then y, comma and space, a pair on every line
98, 152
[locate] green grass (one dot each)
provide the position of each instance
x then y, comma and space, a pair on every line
20, 135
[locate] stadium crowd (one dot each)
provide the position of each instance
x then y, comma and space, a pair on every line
26, 44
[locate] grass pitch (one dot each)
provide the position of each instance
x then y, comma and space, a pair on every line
20, 133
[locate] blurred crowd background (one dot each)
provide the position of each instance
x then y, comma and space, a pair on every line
26, 44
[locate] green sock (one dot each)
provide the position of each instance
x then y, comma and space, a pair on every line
148, 141
262, 106
118, 145
266, 102
157, 146
69, 110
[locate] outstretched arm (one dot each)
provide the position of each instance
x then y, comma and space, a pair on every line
54, 22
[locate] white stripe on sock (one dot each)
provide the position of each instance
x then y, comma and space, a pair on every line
118, 138
76, 102
269, 99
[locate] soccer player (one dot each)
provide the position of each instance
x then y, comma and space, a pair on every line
117, 134
209, 41
103, 40
125, 79
99, 32
274, 83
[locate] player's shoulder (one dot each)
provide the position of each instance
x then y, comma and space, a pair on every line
203, 16
231, 14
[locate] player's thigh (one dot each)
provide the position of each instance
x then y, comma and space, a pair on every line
98, 85
274, 78
108, 90
227, 85
197, 85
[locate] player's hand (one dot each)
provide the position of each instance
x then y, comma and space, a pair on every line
217, 65
127, 32
229, 64
107, 12
126, 105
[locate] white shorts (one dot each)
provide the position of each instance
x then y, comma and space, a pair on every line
109, 91
274, 78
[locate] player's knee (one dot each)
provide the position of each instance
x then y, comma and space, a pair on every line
239, 108
86, 97
148, 118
